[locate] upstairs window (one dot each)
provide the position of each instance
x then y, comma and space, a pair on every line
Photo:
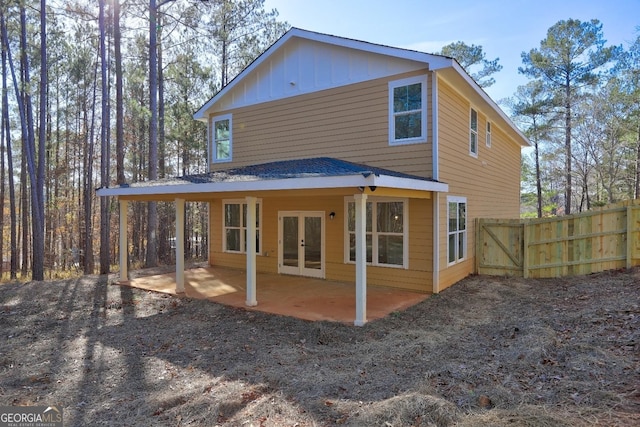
221, 139
407, 110
473, 133
489, 134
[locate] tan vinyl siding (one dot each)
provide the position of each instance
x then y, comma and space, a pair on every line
349, 123
418, 277
490, 182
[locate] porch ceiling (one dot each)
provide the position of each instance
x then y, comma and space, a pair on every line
301, 297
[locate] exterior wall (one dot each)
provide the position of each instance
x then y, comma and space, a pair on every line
348, 123
417, 277
490, 182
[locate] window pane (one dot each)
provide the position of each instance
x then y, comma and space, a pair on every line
232, 215
390, 217
351, 216
474, 120
462, 216
414, 94
390, 250
400, 99
222, 130
408, 125
452, 247
222, 149
474, 143
352, 247
460, 245
453, 219
407, 98
233, 239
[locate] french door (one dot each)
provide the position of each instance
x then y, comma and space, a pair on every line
301, 243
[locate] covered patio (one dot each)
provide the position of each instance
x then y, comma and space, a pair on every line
300, 297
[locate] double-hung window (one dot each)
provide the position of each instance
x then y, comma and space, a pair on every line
456, 229
221, 138
386, 232
234, 225
408, 110
473, 133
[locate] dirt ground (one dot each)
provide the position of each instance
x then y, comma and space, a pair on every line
487, 352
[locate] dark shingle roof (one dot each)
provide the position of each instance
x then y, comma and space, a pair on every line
286, 169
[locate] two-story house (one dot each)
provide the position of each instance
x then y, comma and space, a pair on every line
346, 160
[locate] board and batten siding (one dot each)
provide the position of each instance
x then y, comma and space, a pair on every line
418, 277
349, 123
490, 181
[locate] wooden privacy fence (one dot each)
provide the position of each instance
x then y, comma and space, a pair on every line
602, 239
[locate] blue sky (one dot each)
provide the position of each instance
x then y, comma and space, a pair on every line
504, 28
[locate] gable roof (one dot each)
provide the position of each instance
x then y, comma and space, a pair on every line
311, 173
448, 68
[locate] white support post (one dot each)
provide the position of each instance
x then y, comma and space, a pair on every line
251, 252
361, 259
179, 245
124, 244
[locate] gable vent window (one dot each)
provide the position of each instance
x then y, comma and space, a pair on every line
407, 110
221, 138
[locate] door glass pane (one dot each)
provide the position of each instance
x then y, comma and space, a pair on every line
313, 242
290, 241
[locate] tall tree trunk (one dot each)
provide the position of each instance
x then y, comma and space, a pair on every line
567, 143
152, 221
104, 157
117, 44
39, 214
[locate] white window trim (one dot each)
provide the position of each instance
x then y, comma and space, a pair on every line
473, 132
457, 200
392, 128
488, 140
212, 142
243, 249
374, 234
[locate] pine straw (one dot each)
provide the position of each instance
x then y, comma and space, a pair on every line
487, 352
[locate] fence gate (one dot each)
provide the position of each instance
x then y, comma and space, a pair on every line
499, 247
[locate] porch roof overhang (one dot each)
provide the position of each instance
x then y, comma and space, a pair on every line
288, 175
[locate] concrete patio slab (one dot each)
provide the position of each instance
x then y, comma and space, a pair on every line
301, 297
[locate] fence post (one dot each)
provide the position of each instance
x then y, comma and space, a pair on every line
629, 236
478, 244
525, 250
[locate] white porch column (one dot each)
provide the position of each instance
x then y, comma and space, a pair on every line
124, 244
251, 251
361, 259
179, 245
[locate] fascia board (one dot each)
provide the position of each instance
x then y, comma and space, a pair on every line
310, 183
387, 181
224, 187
